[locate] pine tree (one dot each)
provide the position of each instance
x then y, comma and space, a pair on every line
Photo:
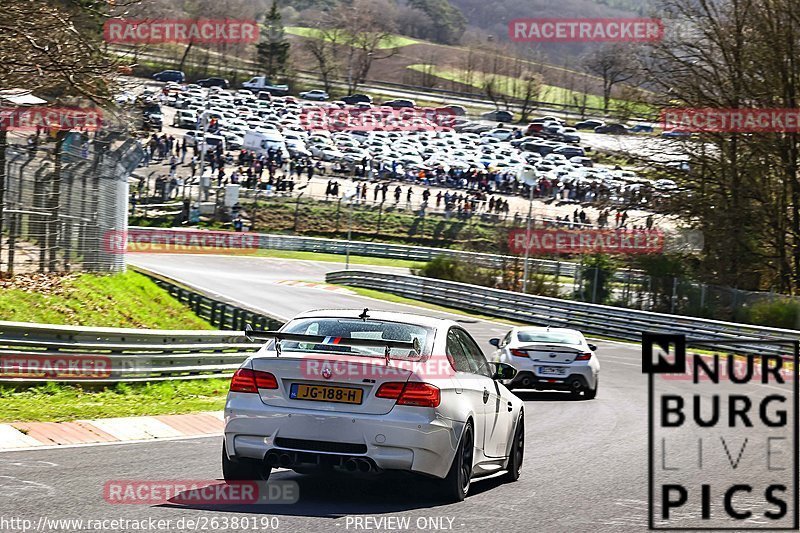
272, 52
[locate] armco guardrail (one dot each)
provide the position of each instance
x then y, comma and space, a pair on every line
42, 352
32, 353
219, 312
602, 320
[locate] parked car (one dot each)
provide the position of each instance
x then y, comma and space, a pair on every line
675, 134
458, 110
214, 82
400, 103
589, 124
170, 75
185, 118
262, 83
292, 405
315, 94
641, 128
613, 129
499, 115
357, 99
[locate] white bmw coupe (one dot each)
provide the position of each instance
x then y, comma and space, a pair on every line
370, 392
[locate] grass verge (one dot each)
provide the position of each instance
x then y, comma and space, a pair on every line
336, 258
390, 41
118, 300
511, 86
54, 402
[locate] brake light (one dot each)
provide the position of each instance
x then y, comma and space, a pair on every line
420, 395
390, 391
412, 393
584, 356
247, 380
518, 353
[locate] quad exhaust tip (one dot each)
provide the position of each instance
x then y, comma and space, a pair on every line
357, 464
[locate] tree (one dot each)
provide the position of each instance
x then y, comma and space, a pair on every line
743, 189
614, 64
56, 49
449, 23
323, 47
367, 26
272, 52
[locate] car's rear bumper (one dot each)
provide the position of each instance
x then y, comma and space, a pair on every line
407, 438
581, 376
528, 380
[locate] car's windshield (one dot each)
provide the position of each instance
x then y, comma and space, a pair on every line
349, 328
554, 337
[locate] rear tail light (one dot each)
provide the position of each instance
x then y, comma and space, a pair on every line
584, 356
518, 353
412, 393
247, 380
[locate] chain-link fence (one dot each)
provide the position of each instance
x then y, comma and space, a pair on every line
63, 200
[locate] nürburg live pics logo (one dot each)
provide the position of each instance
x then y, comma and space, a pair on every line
722, 433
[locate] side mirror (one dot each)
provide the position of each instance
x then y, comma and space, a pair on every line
494, 342
593, 347
503, 372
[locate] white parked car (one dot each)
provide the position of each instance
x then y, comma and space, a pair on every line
315, 94
185, 118
549, 359
371, 392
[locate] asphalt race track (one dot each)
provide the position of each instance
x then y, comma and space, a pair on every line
585, 467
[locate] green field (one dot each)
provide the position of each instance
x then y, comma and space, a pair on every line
128, 300
505, 85
392, 41
58, 403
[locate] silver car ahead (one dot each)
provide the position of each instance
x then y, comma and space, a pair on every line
550, 359
368, 392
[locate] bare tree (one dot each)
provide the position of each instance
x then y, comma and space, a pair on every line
324, 48
614, 64
367, 26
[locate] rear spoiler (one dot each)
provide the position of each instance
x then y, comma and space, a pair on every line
251, 334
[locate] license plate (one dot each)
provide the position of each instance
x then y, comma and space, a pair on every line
325, 393
552, 370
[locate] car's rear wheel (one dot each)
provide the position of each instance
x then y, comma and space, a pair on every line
243, 469
455, 486
517, 452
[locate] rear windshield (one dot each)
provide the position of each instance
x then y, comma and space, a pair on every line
358, 329
554, 337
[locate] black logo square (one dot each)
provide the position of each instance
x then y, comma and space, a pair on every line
664, 342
